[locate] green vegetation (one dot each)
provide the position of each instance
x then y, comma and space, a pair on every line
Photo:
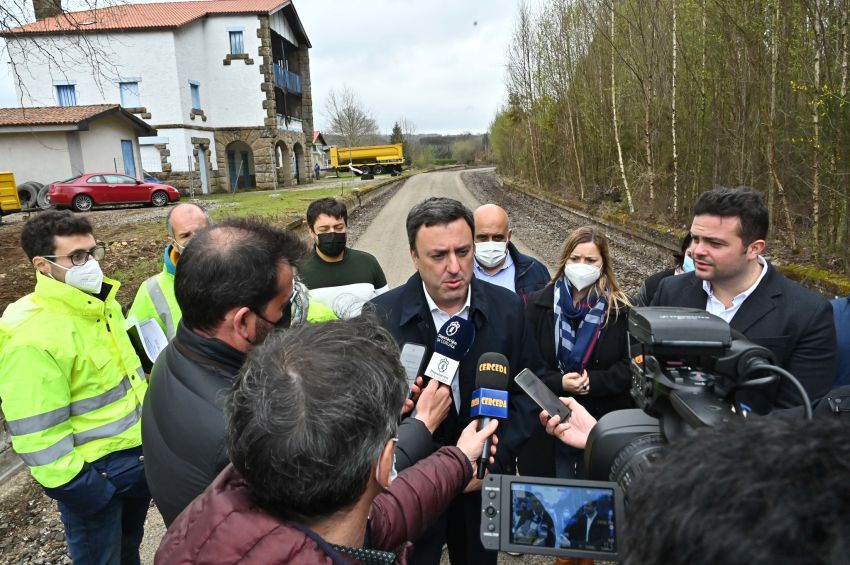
649, 104
279, 206
829, 282
138, 270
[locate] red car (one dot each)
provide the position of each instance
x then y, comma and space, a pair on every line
96, 189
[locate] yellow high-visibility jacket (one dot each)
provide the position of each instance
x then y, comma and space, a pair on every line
155, 298
71, 385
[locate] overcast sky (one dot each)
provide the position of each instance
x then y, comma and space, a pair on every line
438, 63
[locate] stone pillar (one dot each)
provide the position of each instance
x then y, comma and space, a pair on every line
267, 73
306, 111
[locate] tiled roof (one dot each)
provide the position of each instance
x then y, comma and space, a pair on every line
62, 115
129, 17
51, 115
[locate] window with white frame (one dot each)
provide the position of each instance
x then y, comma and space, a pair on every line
66, 94
130, 94
237, 46
195, 89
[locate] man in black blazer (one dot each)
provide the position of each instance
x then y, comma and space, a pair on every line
734, 281
440, 233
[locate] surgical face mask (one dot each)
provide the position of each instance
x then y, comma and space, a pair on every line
491, 253
688, 264
87, 277
581, 275
331, 244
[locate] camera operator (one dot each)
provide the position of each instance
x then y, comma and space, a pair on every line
732, 280
762, 490
312, 424
766, 490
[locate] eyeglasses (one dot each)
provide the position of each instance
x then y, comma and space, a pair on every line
98, 252
286, 311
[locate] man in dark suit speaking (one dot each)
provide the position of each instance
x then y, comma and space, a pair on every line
732, 280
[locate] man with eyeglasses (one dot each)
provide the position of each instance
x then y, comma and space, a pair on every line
155, 298
72, 391
235, 284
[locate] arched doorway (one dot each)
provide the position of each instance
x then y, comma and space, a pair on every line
282, 162
298, 162
240, 166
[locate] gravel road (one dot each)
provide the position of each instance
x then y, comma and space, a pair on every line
386, 237
30, 531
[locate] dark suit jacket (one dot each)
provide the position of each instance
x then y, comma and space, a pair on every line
530, 275
792, 321
499, 327
596, 537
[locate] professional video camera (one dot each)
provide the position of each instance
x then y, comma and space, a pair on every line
689, 370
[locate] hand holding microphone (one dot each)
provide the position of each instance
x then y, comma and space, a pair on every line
490, 399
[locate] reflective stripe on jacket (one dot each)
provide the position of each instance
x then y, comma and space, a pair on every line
71, 384
155, 299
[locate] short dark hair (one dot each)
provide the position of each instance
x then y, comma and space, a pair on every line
330, 206
679, 256
38, 235
232, 264
768, 490
743, 202
436, 212
311, 411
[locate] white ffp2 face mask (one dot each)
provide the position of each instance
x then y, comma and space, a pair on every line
87, 277
491, 253
581, 275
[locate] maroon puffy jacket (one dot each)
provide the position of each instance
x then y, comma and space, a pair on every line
223, 525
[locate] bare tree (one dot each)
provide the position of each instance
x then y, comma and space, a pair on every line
614, 116
349, 118
73, 48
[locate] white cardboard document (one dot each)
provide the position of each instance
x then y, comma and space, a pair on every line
152, 337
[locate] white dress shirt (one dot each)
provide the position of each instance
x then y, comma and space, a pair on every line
440, 317
716, 307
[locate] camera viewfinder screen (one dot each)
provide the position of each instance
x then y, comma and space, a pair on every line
567, 517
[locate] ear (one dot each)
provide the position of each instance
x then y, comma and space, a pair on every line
41, 264
385, 464
311, 232
415, 258
755, 249
510, 233
242, 323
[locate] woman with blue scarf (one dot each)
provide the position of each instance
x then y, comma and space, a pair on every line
580, 320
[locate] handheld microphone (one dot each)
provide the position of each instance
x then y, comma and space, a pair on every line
490, 399
451, 344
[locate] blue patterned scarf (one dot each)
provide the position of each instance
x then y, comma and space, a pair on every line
574, 346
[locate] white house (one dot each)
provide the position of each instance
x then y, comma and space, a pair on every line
45, 145
319, 151
226, 84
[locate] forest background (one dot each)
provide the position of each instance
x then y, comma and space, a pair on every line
638, 106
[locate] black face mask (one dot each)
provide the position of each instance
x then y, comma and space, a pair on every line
331, 244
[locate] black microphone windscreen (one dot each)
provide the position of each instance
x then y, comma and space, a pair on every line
493, 371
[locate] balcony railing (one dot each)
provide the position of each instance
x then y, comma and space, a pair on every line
286, 79
289, 123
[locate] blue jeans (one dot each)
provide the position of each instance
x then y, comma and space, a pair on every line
113, 534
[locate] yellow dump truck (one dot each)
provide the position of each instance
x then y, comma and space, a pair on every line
375, 159
9, 201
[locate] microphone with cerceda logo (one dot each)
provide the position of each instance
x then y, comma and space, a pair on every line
490, 398
451, 344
